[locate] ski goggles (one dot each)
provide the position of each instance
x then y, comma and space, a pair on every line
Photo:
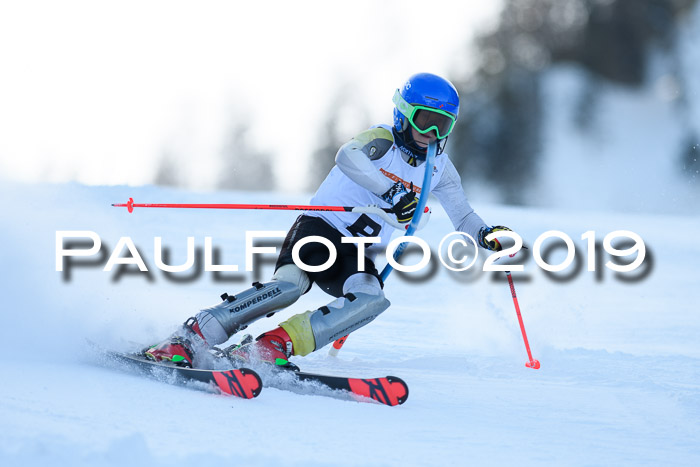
425, 119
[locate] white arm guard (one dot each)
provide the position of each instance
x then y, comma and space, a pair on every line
355, 157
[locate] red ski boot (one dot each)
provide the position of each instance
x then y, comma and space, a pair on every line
178, 348
271, 347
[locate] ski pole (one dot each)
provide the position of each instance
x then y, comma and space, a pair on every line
130, 205
535, 364
384, 213
416, 223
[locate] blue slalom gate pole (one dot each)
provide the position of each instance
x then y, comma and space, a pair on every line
412, 227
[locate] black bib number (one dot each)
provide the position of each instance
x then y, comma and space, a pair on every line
364, 226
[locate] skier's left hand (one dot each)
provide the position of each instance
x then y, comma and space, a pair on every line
494, 244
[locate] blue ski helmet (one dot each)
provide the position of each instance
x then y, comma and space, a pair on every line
428, 103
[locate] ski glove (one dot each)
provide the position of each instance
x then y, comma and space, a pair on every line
493, 245
403, 202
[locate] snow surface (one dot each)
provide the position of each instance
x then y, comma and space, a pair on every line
619, 383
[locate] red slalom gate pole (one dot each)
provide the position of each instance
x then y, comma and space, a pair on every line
130, 205
535, 364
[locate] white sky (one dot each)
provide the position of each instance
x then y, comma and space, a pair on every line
96, 91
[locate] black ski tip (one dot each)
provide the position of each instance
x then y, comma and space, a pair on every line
248, 372
396, 380
241, 382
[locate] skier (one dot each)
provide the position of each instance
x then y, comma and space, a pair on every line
382, 166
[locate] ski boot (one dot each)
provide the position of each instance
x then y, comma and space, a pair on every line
273, 347
179, 348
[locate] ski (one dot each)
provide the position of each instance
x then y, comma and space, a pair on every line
388, 390
247, 383
241, 382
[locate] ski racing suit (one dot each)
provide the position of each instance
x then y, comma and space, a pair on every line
366, 167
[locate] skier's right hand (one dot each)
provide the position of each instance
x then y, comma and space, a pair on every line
403, 202
405, 207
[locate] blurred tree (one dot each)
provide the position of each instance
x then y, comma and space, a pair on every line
498, 132
690, 158
167, 172
345, 118
244, 167
323, 157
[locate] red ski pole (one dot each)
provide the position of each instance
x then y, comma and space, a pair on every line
535, 364
385, 213
130, 205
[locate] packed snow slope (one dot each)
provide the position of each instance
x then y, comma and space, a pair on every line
620, 353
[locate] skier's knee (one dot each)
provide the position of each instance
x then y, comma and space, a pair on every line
362, 282
295, 275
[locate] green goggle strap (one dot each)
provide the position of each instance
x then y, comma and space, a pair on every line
410, 110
